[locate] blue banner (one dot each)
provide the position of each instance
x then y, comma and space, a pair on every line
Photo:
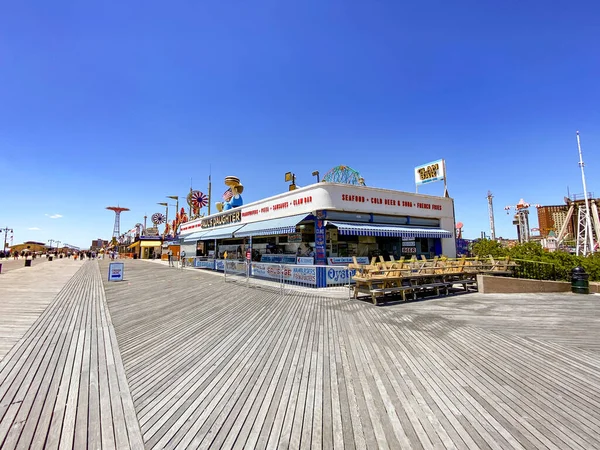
208, 264
278, 259
319, 242
336, 276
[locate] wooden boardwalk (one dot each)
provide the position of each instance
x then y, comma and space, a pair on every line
205, 364
63, 384
213, 364
25, 292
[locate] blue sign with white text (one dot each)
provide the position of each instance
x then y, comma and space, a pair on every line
319, 242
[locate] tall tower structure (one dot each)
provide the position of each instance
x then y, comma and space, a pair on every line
521, 220
585, 210
117, 228
585, 236
490, 196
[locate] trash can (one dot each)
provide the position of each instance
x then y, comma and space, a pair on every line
49, 258
0, 267
580, 281
27, 263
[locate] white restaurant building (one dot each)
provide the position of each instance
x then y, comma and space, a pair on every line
325, 224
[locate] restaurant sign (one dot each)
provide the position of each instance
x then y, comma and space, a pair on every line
222, 219
294, 238
433, 171
151, 231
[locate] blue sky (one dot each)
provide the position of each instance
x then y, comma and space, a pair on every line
124, 103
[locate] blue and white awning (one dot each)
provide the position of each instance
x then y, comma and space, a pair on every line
194, 236
221, 232
284, 225
380, 229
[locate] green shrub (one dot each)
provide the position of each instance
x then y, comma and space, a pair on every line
532, 251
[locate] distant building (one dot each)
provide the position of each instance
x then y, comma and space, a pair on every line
97, 244
552, 218
30, 246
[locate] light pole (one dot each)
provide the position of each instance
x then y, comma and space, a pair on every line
166, 205
6, 230
176, 198
57, 245
316, 174
51, 241
289, 176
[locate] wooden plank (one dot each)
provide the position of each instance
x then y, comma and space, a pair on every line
54, 384
248, 396
35, 433
212, 363
201, 388
72, 365
106, 431
82, 414
23, 374
271, 430
26, 293
257, 402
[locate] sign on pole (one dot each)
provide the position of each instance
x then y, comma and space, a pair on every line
430, 172
433, 171
115, 271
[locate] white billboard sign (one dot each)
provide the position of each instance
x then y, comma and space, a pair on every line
433, 171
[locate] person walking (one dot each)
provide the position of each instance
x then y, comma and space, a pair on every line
182, 258
170, 258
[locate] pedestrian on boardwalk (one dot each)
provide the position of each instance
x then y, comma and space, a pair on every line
170, 257
182, 258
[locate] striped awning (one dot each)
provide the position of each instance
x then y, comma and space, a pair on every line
381, 229
194, 236
221, 232
284, 225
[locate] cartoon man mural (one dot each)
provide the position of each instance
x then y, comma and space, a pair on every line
232, 197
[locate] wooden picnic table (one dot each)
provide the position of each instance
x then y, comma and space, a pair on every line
438, 275
401, 281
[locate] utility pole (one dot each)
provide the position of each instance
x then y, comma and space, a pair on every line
51, 241
490, 196
209, 192
6, 230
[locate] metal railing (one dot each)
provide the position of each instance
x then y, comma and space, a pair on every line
287, 278
235, 271
537, 270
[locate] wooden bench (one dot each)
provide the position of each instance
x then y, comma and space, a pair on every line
437, 287
440, 288
392, 290
466, 283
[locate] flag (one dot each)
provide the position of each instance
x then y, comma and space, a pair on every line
227, 195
